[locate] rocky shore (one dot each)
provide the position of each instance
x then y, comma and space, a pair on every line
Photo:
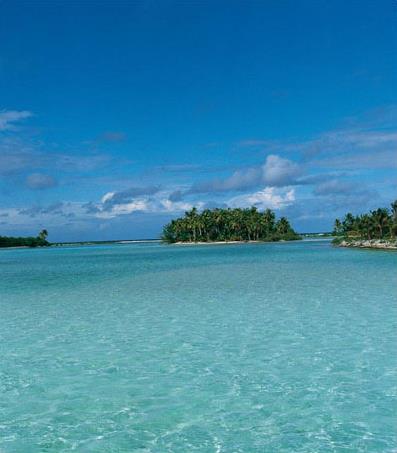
370, 244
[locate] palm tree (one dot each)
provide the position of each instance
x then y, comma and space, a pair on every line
191, 219
379, 223
283, 226
227, 224
365, 225
394, 210
268, 220
348, 223
218, 220
338, 228
381, 219
43, 235
393, 219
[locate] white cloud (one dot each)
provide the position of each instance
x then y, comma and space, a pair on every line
126, 197
178, 206
269, 197
278, 171
9, 117
114, 204
124, 208
107, 196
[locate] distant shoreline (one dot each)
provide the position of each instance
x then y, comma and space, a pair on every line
143, 241
216, 242
19, 247
232, 242
376, 244
82, 243
121, 241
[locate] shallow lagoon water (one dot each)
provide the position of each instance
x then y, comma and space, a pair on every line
285, 347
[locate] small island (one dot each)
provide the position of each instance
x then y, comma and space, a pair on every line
376, 229
31, 241
228, 225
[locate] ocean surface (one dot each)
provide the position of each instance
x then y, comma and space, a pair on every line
287, 347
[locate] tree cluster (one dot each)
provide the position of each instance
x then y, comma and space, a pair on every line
228, 225
378, 224
39, 241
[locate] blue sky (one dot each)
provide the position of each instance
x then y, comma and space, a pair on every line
118, 116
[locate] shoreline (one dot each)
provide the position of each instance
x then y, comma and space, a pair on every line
215, 242
231, 242
17, 247
375, 244
82, 244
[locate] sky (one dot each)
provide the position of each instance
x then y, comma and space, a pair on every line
117, 116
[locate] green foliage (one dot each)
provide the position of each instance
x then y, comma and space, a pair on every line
39, 241
337, 240
228, 225
43, 235
378, 224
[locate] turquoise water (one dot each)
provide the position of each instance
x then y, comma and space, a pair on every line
238, 348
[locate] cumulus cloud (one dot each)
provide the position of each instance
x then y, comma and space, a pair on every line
279, 172
112, 199
269, 197
275, 172
8, 118
149, 200
122, 208
148, 205
40, 181
164, 204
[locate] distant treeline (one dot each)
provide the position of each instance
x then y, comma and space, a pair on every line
324, 234
228, 225
39, 241
378, 224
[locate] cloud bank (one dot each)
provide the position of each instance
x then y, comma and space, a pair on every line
348, 169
